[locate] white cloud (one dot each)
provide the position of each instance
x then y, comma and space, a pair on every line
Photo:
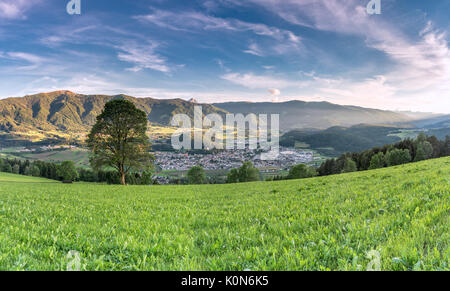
196, 21
259, 82
254, 49
144, 57
274, 92
32, 61
421, 64
15, 9
131, 47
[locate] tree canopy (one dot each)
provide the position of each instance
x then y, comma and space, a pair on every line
196, 175
246, 173
118, 140
67, 171
398, 157
301, 171
377, 161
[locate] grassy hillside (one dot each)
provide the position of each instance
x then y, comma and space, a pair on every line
326, 223
7, 177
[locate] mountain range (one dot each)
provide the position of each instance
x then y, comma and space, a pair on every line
316, 115
61, 114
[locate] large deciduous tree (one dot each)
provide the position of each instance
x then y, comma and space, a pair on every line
118, 140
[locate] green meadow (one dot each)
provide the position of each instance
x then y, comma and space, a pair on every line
7, 177
324, 223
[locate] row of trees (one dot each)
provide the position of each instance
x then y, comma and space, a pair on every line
67, 171
64, 171
246, 173
406, 151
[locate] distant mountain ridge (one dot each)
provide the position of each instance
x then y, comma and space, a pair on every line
63, 113
318, 115
68, 111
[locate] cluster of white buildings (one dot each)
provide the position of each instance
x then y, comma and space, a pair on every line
229, 159
285, 160
215, 161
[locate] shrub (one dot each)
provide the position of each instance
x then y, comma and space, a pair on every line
67, 171
196, 175
301, 171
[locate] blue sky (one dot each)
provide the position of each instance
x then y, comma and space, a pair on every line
229, 50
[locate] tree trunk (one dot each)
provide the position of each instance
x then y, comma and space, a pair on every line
122, 176
122, 179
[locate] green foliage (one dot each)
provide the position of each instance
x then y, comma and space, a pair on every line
324, 223
420, 153
146, 178
233, 176
301, 171
349, 166
16, 169
338, 140
377, 161
196, 175
35, 171
7, 168
67, 171
118, 139
424, 150
398, 157
246, 173
405, 151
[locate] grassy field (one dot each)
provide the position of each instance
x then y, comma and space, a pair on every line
326, 223
79, 156
7, 177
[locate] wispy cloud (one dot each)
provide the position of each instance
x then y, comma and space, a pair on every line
192, 21
421, 64
254, 49
253, 81
26, 61
16, 9
143, 57
131, 47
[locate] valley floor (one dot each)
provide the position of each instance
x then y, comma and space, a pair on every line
326, 223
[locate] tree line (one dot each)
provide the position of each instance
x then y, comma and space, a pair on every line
67, 171
406, 151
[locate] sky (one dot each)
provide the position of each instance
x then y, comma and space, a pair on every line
232, 50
